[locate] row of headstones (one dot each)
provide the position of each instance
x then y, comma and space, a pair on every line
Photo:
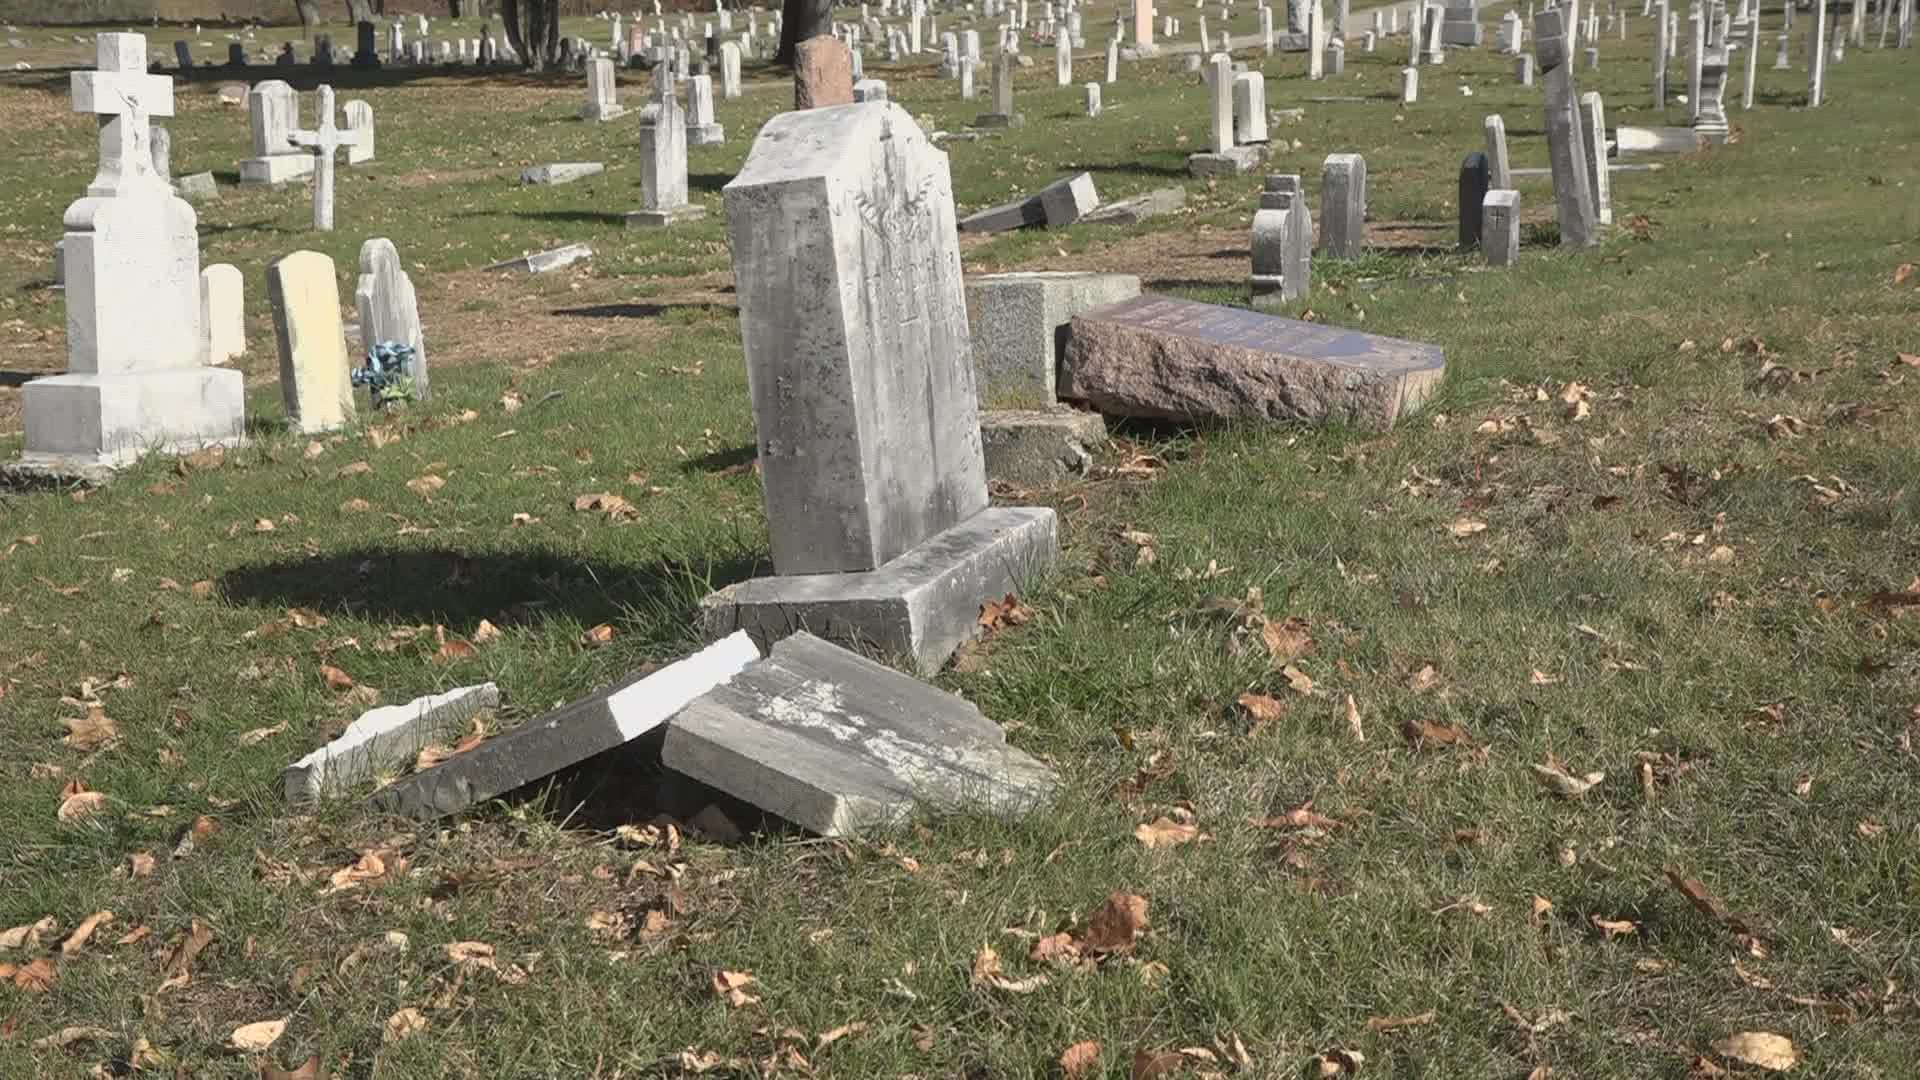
603, 101
283, 151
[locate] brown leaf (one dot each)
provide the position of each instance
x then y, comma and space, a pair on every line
260, 735
37, 977
1901, 273
1116, 924
1298, 681
335, 679
1353, 721
28, 935
606, 502
1261, 710
69, 1035
257, 1036
355, 469
1300, 817
408, 1021
1150, 1064
1761, 1049
1423, 680
355, 506
179, 967
1613, 928
1567, 786
1389, 1023
80, 805
307, 1070
485, 632
1081, 1059
1338, 1062
1165, 832
1008, 611
454, 649
92, 732
1708, 904
1287, 640
78, 939
597, 636
1465, 527
1429, 733
424, 486
139, 864
729, 984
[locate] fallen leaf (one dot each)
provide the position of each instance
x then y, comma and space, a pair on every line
1901, 273
355, 506
728, 984
1558, 781
1298, 681
1150, 1065
1339, 1062
80, 805
424, 486
260, 735
1353, 721
597, 636
139, 864
1165, 832
91, 732
453, 649
1261, 709
1300, 817
257, 1036
485, 632
135, 935
307, 1070
1423, 732
354, 469
1465, 527
1116, 924
1613, 928
179, 966
28, 934
335, 678
1080, 1059
1761, 1049
1286, 640
37, 977
78, 939
68, 1035
1423, 680
1389, 1023
606, 502
828, 1038
406, 1022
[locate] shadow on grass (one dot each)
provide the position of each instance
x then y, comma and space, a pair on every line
459, 588
611, 219
1142, 168
638, 311
629, 785
736, 458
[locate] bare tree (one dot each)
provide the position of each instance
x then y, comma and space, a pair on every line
533, 29
800, 20
309, 12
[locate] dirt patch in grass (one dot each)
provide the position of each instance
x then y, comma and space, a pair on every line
479, 316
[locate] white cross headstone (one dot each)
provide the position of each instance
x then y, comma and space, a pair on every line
323, 141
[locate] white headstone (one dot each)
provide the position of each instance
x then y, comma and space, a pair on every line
389, 310
315, 377
223, 312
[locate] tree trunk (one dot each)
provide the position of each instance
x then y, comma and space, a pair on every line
533, 29
309, 12
359, 11
800, 20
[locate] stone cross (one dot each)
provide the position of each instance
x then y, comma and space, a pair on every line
125, 99
323, 141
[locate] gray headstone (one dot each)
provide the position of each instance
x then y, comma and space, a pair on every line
1343, 206
389, 311
1500, 226
1474, 174
1566, 141
1499, 169
1019, 327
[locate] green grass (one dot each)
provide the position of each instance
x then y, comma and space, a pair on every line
1782, 699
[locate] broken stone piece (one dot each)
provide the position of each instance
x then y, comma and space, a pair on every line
836, 744
566, 736
1137, 208
542, 261
1037, 448
561, 172
384, 741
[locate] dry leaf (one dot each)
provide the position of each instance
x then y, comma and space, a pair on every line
259, 735
178, 969
92, 732
1465, 527
1261, 709
139, 864
1613, 928
1081, 1059
78, 939
335, 678
453, 649
307, 1070
1298, 681
1353, 721
1300, 817
80, 805
69, 1035
257, 1036
1558, 781
1115, 925
1287, 640
1761, 1049
1423, 680
425, 486
36, 978
354, 469
1149, 1065
28, 934
728, 984
408, 1021
485, 632
1389, 1023
1165, 832
1338, 1062
1426, 732
597, 636
1901, 273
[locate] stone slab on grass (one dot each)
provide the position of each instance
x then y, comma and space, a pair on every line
1137, 208
561, 172
919, 607
566, 736
1165, 358
542, 261
837, 744
384, 741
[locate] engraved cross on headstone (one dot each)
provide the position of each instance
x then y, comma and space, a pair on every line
126, 99
323, 141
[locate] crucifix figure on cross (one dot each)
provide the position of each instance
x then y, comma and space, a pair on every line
323, 141
125, 98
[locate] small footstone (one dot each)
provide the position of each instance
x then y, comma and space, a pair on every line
1037, 448
1500, 227
836, 744
384, 741
1233, 161
566, 736
1019, 323
1158, 357
565, 172
196, 187
542, 261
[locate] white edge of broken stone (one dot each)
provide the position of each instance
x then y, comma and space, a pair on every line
655, 699
383, 739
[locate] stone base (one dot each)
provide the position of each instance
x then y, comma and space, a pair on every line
919, 608
1137, 208
999, 120
276, 168
660, 219
600, 115
83, 427
1267, 291
1036, 448
1237, 161
706, 134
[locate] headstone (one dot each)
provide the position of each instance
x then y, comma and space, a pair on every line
603, 102
1223, 155
1064, 201
729, 70
966, 78
1019, 323
315, 381
1093, 99
1780, 61
222, 312
701, 129
236, 55
565, 172
869, 438
1137, 208
1461, 25
1062, 61
1409, 85
822, 73
384, 741
1316, 42
182, 56
870, 90
1499, 170
1660, 56
1343, 206
1566, 142
1282, 243
196, 187
273, 114
1510, 34
1143, 26
1474, 175
1249, 108
323, 141
360, 125
1696, 59
1500, 227
1113, 60
1598, 179
389, 310
137, 378
1158, 357
1002, 114
1753, 56
838, 744
1711, 121
366, 54
663, 166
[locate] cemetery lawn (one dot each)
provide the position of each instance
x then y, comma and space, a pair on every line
1660, 524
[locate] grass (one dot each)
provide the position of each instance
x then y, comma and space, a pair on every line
1703, 576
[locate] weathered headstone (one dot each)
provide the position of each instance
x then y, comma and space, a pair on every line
1566, 142
1499, 169
1002, 114
360, 123
1599, 181
1249, 108
729, 70
1019, 324
701, 128
1696, 59
870, 90
1343, 206
1223, 156
1062, 61
1410, 85
1092, 90
663, 165
842, 221
384, 741
273, 113
1473, 189
603, 101
1660, 55
136, 378
1500, 226
182, 56
822, 73
389, 310
222, 312
315, 381
1753, 56
1158, 357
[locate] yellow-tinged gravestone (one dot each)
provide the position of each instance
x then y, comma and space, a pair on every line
315, 376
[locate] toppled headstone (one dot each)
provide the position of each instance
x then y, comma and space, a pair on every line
540, 262
836, 744
1057, 205
384, 741
1019, 324
1660, 140
563, 172
1137, 208
1036, 448
566, 736
196, 187
1159, 357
